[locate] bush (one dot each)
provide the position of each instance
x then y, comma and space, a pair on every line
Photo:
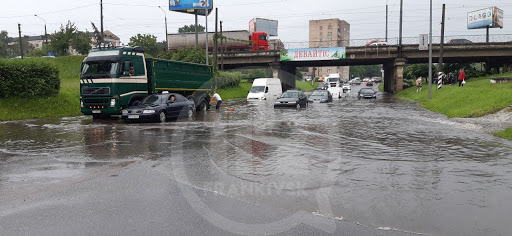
28, 78
224, 79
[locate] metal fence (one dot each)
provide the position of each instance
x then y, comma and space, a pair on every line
494, 38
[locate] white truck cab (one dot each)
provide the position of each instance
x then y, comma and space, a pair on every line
334, 85
265, 89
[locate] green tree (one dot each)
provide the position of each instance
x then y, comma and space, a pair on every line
81, 42
365, 71
194, 55
97, 35
190, 28
38, 52
61, 40
13, 50
147, 41
4, 41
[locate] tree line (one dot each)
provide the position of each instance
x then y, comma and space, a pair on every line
69, 38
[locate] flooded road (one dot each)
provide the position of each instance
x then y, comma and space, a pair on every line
385, 164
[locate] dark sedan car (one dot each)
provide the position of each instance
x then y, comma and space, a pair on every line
159, 107
321, 96
366, 93
292, 98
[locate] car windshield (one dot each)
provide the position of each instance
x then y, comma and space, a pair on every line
319, 93
100, 68
153, 99
367, 91
257, 89
290, 95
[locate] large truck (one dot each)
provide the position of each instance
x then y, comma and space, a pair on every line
235, 40
112, 79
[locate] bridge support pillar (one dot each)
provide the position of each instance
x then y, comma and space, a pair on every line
275, 69
287, 76
394, 76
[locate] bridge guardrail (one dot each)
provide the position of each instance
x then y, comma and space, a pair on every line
493, 38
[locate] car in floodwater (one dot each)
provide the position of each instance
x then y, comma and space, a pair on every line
346, 88
320, 96
366, 93
159, 108
369, 83
292, 99
355, 81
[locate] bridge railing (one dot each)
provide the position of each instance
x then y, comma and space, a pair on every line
493, 38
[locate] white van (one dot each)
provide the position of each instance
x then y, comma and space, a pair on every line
265, 89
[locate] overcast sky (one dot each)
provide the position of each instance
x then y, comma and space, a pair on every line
366, 17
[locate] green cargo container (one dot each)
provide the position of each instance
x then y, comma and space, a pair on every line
115, 78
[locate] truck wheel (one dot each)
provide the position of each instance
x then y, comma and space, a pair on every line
298, 105
192, 99
190, 112
161, 116
202, 106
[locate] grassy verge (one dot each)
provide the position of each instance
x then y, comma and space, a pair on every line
235, 92
477, 98
305, 85
507, 134
64, 104
381, 87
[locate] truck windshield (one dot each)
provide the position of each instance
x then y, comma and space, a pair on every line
258, 89
100, 68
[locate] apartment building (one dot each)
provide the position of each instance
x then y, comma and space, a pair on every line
329, 33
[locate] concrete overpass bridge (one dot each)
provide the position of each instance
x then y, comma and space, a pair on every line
493, 54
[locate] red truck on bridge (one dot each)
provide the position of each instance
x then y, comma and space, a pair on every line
235, 40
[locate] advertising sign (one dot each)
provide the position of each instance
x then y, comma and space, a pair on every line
423, 41
491, 17
313, 54
184, 5
263, 25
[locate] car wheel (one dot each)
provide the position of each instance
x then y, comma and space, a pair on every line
190, 112
161, 116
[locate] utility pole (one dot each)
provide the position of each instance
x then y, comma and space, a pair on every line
45, 34
400, 30
197, 38
101, 15
487, 35
215, 43
386, 21
21, 44
166, 47
430, 56
441, 45
206, 17
221, 48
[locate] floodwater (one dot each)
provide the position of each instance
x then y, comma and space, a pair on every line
382, 163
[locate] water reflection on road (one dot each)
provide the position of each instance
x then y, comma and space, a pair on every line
382, 162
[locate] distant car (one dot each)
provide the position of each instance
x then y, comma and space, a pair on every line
378, 44
159, 107
355, 81
321, 96
459, 41
377, 79
366, 93
369, 83
366, 79
292, 98
346, 88
321, 86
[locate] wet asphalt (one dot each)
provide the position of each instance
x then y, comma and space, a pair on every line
351, 167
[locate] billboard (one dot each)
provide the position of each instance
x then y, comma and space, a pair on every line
313, 54
491, 17
263, 25
184, 5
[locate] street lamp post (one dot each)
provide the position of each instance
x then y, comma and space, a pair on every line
166, 43
430, 56
45, 34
